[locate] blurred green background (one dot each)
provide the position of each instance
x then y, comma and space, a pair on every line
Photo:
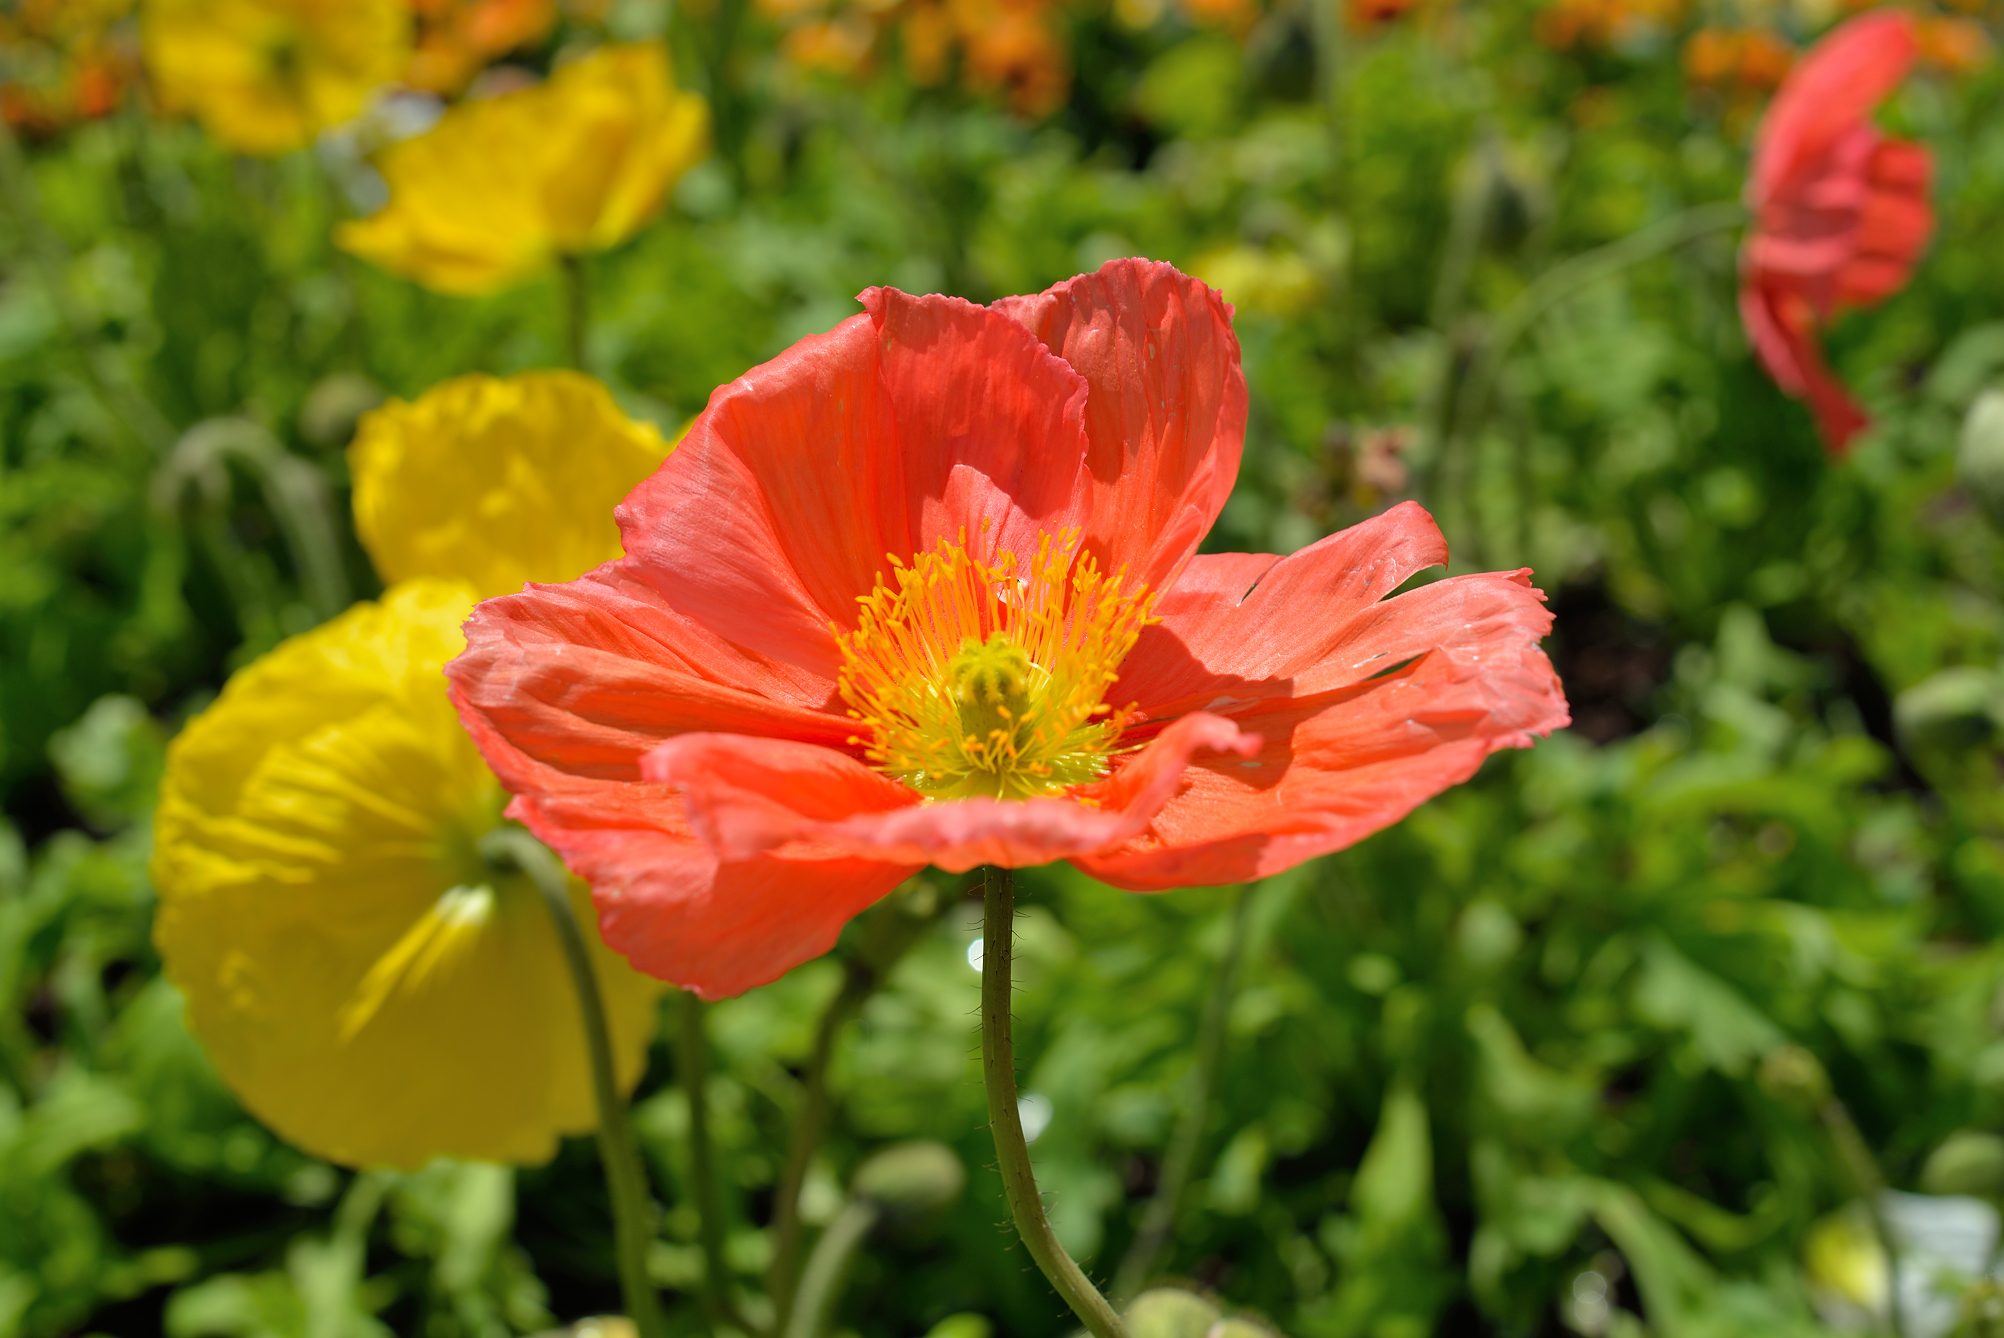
1606, 1042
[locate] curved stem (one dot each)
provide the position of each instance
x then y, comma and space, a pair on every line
783, 1277
692, 1065
625, 1179
1158, 1219
1012, 1153
1855, 1155
828, 1268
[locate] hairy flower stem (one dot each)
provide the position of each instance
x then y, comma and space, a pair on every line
625, 1179
1012, 1154
692, 1066
1158, 1219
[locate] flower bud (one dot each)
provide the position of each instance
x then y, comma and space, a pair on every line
1794, 1077
1979, 461
1966, 1162
1240, 1327
333, 406
909, 1182
1169, 1312
1950, 713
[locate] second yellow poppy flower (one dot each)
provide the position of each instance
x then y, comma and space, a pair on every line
502, 186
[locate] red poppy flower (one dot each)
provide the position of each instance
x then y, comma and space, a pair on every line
923, 590
1840, 210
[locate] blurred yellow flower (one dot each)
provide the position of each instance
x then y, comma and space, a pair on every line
503, 185
460, 481
1262, 279
369, 983
265, 76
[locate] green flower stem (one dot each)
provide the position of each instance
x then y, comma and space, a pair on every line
828, 1268
632, 1209
783, 1277
575, 281
1158, 1219
1855, 1155
998, 1067
692, 1068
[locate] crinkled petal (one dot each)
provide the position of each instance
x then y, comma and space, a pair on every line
1238, 620
925, 418
1335, 767
748, 796
993, 423
676, 911
580, 679
1166, 412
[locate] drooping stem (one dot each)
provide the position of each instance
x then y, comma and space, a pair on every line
692, 1065
888, 935
1012, 1153
625, 1178
784, 1276
576, 283
1869, 1183
1158, 1219
827, 1268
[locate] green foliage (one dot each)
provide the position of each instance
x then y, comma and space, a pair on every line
1559, 1053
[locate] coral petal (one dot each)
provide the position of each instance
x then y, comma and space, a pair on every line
1336, 766
1167, 412
580, 679
749, 796
1215, 635
675, 911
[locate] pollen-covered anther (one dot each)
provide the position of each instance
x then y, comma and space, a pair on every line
976, 676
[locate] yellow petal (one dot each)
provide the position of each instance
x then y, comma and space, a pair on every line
363, 980
265, 76
498, 480
500, 185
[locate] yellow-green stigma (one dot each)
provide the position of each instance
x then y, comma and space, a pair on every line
985, 677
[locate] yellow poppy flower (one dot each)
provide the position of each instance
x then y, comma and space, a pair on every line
265, 76
370, 985
460, 481
502, 185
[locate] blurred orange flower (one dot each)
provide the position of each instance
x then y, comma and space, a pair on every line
1566, 25
1953, 45
1738, 62
456, 39
1010, 48
64, 61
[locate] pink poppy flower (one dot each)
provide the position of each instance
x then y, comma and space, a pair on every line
924, 590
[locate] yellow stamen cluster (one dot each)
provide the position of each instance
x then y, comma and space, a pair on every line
986, 677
